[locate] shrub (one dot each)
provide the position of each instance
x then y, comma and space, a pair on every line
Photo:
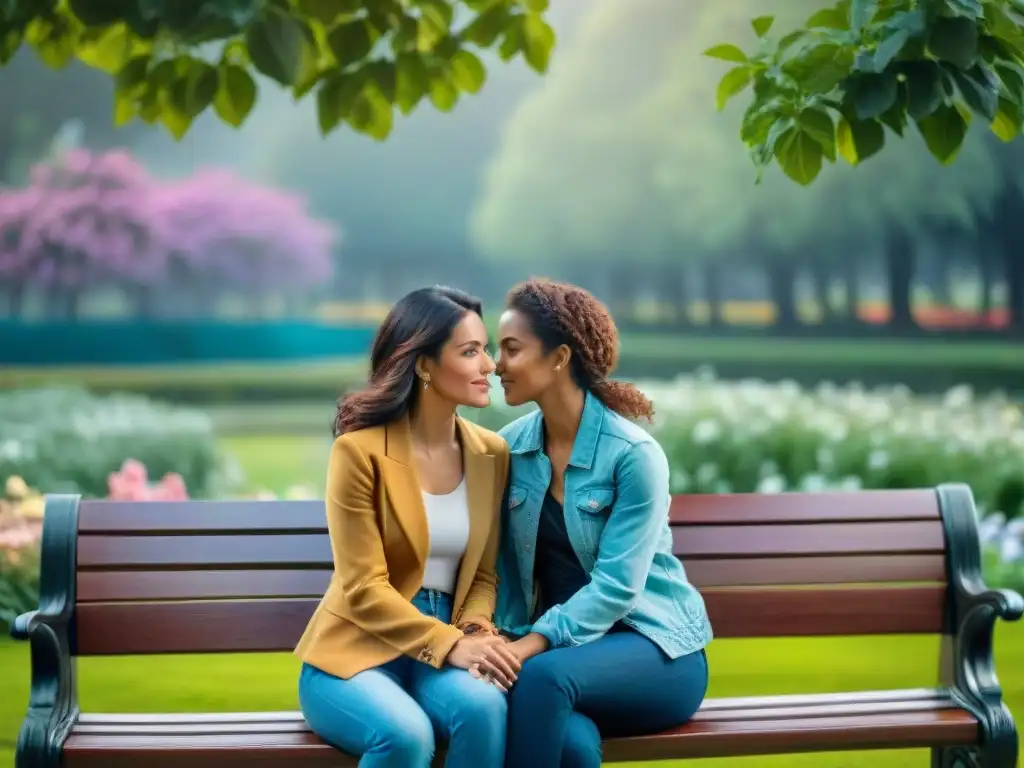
724, 437
69, 441
21, 527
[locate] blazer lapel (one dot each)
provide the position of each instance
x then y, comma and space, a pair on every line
479, 469
403, 488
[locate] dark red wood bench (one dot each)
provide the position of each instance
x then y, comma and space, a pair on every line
236, 576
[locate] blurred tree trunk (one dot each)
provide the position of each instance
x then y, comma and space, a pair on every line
900, 263
714, 293
673, 294
851, 283
781, 273
821, 282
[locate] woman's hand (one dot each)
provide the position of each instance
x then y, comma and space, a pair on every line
489, 656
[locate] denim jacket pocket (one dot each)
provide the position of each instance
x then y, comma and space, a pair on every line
592, 508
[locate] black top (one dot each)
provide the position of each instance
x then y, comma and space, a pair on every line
558, 570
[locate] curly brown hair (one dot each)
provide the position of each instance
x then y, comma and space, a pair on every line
563, 313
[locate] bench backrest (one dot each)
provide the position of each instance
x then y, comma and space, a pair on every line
223, 576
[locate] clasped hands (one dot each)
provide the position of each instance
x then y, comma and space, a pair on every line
492, 657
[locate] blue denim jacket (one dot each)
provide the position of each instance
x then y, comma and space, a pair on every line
616, 514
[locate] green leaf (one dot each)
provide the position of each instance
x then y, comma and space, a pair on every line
131, 80
970, 9
538, 42
954, 40
861, 12
92, 13
828, 18
108, 50
537, 6
468, 72
194, 90
727, 52
236, 94
980, 90
54, 41
275, 43
443, 94
943, 132
734, 81
872, 94
326, 11
817, 123
175, 121
335, 98
10, 42
485, 28
1008, 120
757, 122
351, 41
411, 81
1012, 82
819, 69
857, 140
924, 88
799, 155
890, 48
371, 113
762, 25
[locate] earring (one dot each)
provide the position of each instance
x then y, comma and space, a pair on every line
426, 383
558, 367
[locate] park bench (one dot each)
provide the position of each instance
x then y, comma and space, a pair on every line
244, 576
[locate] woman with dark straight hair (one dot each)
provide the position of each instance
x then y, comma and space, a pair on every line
609, 630
413, 493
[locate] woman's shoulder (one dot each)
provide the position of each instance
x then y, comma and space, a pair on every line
492, 442
368, 440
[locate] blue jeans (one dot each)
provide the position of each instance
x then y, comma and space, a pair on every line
388, 716
622, 684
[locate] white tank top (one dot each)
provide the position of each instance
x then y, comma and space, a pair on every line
448, 522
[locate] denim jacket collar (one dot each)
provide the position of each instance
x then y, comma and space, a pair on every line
531, 440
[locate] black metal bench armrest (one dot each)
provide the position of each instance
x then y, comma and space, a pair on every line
22, 626
973, 611
53, 698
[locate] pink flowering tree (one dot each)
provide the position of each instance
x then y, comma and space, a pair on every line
88, 221
84, 221
229, 235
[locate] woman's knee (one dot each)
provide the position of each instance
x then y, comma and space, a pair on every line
541, 675
360, 716
582, 743
480, 705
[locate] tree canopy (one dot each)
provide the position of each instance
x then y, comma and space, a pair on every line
362, 59
654, 174
834, 85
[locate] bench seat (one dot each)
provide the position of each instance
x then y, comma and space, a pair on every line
723, 727
123, 579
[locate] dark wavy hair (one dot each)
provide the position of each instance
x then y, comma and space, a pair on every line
562, 313
419, 324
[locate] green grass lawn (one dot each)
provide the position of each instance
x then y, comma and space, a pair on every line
738, 667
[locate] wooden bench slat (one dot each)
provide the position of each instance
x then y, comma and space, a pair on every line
705, 736
830, 506
108, 586
855, 569
725, 704
222, 516
241, 516
290, 725
821, 539
217, 626
314, 550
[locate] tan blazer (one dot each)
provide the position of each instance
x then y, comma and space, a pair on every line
379, 537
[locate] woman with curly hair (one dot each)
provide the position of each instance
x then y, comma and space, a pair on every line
609, 631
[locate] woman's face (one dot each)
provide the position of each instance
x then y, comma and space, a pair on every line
460, 373
525, 371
